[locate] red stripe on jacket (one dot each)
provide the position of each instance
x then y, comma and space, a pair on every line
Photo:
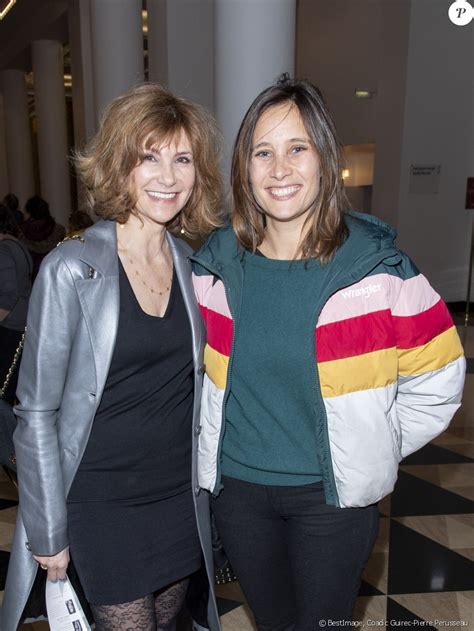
219, 330
355, 336
419, 329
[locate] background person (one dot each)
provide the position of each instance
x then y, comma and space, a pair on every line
11, 202
79, 220
40, 232
15, 288
111, 377
329, 358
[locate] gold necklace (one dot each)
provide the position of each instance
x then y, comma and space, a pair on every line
137, 273
145, 284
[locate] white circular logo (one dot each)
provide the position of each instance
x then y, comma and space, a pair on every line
461, 12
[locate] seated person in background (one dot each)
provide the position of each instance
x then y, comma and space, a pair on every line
11, 202
79, 220
40, 232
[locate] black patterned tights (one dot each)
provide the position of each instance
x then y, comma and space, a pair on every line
156, 612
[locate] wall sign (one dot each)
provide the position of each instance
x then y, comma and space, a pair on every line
424, 178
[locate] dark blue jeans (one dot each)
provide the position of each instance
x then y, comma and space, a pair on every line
298, 560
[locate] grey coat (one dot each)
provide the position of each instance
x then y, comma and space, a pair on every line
15, 282
72, 326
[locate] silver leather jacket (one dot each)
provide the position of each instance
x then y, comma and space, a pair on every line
72, 326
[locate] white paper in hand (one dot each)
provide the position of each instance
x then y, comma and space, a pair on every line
64, 609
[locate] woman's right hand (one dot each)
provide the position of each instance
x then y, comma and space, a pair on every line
56, 565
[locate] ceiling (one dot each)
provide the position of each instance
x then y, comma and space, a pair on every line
27, 21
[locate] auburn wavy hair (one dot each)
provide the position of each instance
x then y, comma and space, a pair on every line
142, 119
325, 229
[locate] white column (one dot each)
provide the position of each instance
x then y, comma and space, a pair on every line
158, 41
83, 107
19, 152
181, 47
79, 27
255, 42
117, 48
50, 105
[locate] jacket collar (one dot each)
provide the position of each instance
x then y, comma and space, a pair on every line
220, 249
369, 240
100, 248
368, 237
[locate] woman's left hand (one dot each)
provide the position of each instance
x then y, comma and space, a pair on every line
56, 565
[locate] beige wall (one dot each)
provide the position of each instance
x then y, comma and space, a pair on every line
421, 68
337, 44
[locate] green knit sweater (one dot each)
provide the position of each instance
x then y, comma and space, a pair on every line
270, 416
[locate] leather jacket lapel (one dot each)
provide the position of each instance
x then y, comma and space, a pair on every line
100, 295
100, 302
183, 271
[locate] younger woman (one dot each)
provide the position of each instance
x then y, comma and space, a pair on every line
329, 358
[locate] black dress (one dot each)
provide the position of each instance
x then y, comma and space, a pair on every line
131, 521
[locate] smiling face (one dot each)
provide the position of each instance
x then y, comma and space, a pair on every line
284, 167
163, 180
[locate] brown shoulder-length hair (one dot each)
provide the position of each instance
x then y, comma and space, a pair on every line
144, 118
325, 225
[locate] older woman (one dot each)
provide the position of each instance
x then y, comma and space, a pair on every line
111, 377
329, 358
